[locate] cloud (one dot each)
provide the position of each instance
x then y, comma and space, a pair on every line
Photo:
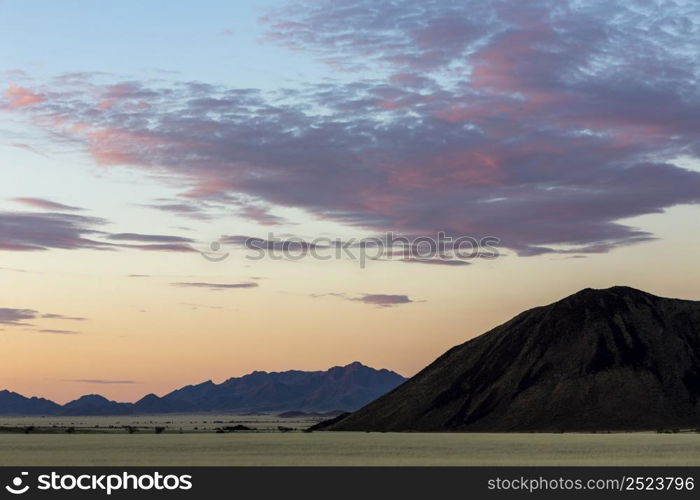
375, 299
437, 262
16, 317
30, 231
190, 210
149, 238
27, 231
13, 269
103, 381
289, 244
383, 300
544, 124
62, 317
27, 147
19, 317
160, 247
215, 286
18, 97
45, 204
58, 332
261, 215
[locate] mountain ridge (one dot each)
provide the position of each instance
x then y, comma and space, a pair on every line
338, 388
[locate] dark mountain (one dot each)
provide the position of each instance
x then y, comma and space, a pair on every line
12, 403
339, 388
152, 404
94, 404
614, 359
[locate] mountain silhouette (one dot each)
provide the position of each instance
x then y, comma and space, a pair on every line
94, 404
339, 388
613, 359
12, 403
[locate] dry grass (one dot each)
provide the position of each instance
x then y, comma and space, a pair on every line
326, 448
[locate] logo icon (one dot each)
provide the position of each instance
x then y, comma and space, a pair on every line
214, 255
16, 487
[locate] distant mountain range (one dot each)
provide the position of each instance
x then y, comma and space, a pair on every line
613, 359
339, 388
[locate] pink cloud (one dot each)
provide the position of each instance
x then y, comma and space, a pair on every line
531, 121
20, 96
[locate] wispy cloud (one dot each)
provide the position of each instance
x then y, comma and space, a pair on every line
215, 286
149, 238
61, 316
375, 299
30, 231
19, 317
160, 247
437, 262
58, 332
26, 231
184, 209
45, 204
18, 97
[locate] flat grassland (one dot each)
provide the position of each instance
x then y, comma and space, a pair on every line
331, 448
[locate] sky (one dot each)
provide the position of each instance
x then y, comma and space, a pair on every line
142, 144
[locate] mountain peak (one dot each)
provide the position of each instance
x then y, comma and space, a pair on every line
354, 366
91, 399
613, 291
610, 359
596, 300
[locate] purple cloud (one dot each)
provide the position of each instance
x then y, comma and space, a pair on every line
541, 123
160, 247
190, 210
437, 262
149, 238
375, 299
24, 231
19, 317
16, 317
383, 300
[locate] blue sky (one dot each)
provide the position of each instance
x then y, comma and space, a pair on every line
217, 42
